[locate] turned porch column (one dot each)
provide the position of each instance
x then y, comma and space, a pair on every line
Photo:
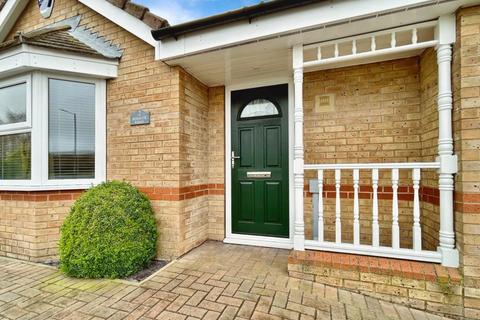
446, 157
298, 150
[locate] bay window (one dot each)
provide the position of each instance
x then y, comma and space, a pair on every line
52, 132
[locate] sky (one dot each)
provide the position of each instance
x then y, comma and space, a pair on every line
178, 11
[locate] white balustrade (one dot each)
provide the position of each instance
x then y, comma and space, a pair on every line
375, 226
338, 220
417, 230
356, 207
438, 34
415, 36
375, 48
375, 248
395, 226
320, 206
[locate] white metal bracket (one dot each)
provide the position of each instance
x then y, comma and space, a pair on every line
448, 163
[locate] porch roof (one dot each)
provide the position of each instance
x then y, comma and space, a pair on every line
243, 52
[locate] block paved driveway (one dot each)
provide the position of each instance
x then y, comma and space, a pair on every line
214, 281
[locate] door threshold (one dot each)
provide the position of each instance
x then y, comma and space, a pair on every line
259, 241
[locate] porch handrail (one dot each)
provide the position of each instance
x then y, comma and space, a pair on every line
394, 250
352, 166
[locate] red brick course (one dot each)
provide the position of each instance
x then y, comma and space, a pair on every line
384, 266
40, 196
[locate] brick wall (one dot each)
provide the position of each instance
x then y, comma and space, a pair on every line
216, 166
430, 218
165, 159
193, 160
376, 118
29, 223
466, 114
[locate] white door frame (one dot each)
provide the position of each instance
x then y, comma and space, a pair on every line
262, 241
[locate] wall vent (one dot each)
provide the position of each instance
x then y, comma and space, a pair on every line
325, 103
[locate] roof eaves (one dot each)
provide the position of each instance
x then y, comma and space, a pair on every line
246, 13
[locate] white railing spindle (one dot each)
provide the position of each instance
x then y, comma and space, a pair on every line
375, 226
338, 221
374, 44
336, 50
320, 206
356, 207
393, 42
417, 230
414, 36
354, 46
395, 226
319, 53
393, 250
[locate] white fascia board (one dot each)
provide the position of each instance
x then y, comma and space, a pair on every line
13, 8
286, 22
26, 58
123, 19
9, 15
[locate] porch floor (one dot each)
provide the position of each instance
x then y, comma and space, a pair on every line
214, 281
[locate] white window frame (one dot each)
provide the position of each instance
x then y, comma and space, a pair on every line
7, 129
39, 118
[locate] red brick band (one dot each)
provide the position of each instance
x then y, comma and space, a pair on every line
40, 196
179, 194
464, 202
405, 193
168, 194
384, 266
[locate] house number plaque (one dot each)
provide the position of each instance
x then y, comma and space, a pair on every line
140, 117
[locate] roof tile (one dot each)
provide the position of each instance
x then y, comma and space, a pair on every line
140, 12
58, 38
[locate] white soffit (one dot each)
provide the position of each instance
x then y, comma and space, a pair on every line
272, 57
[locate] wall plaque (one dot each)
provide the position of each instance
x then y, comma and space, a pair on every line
139, 117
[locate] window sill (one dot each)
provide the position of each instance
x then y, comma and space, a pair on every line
59, 187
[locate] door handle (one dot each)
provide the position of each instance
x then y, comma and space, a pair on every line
233, 159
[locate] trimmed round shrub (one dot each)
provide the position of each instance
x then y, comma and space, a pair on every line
109, 233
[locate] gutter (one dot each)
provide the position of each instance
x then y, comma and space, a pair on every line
249, 13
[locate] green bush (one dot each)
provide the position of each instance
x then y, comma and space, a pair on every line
109, 233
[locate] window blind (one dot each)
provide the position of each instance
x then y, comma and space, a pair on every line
71, 130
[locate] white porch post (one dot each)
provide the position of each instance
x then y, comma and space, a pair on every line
298, 150
448, 161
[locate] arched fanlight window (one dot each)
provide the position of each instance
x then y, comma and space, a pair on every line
259, 108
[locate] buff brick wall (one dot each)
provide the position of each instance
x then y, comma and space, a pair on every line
147, 156
376, 118
193, 161
466, 114
216, 166
430, 218
30, 223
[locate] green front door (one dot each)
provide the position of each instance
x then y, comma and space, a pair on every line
260, 161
